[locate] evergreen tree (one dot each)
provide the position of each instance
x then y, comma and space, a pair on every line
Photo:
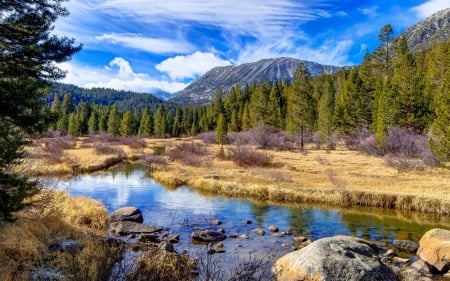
300, 113
177, 126
385, 51
408, 86
258, 106
72, 129
93, 122
103, 119
246, 122
383, 114
83, 113
114, 122
440, 140
221, 130
28, 53
275, 105
325, 111
145, 126
127, 125
160, 122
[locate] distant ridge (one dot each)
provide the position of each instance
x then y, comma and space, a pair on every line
435, 28
202, 90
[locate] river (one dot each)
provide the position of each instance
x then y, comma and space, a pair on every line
184, 210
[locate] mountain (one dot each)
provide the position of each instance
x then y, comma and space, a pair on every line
202, 90
435, 28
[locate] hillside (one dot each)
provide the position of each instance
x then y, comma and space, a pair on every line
435, 28
125, 100
204, 88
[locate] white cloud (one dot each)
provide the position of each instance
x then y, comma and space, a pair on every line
181, 67
151, 45
430, 7
330, 52
117, 75
370, 12
255, 17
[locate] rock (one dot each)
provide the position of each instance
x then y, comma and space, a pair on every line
389, 253
221, 230
285, 245
233, 235
208, 236
149, 237
243, 236
273, 228
300, 239
334, 258
174, 238
259, 231
400, 260
126, 214
410, 274
299, 245
166, 246
434, 248
219, 248
68, 246
279, 234
406, 245
128, 227
420, 266
215, 221
247, 222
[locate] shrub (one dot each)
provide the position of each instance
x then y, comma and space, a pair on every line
369, 146
207, 137
401, 141
353, 139
402, 163
188, 153
108, 149
249, 157
263, 137
133, 142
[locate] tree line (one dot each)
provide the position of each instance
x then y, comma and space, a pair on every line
393, 87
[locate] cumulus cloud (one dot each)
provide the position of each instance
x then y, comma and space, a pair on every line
151, 45
430, 7
117, 75
190, 66
370, 12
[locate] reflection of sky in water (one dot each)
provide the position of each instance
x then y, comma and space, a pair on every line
177, 208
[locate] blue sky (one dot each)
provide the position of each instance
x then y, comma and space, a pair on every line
146, 45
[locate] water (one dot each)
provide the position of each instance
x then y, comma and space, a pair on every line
183, 210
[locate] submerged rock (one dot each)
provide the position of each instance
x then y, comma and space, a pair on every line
123, 228
259, 231
126, 214
435, 249
208, 236
334, 258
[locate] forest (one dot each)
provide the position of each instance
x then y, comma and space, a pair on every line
392, 88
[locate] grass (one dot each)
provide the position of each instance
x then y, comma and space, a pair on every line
53, 217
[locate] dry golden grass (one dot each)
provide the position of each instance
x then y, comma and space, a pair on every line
338, 177
53, 217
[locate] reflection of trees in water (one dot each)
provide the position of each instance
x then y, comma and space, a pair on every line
301, 219
259, 211
383, 227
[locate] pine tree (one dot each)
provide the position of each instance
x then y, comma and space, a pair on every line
127, 125
93, 122
383, 113
160, 122
73, 129
221, 130
440, 140
275, 105
300, 113
145, 126
258, 106
114, 122
245, 119
325, 111
408, 86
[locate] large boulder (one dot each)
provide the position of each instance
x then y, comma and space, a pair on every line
208, 236
126, 214
434, 248
334, 258
128, 227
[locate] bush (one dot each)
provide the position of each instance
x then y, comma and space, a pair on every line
188, 153
133, 142
263, 137
108, 149
402, 163
249, 157
207, 137
401, 141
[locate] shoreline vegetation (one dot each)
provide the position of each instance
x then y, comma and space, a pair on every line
338, 177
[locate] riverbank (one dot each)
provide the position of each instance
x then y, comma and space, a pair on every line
339, 177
